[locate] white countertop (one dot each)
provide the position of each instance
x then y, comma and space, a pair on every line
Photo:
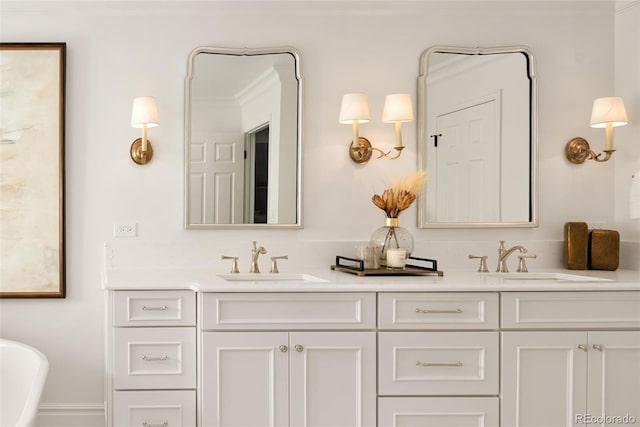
203, 280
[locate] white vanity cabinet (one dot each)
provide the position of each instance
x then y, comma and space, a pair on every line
370, 354
432, 345
151, 361
570, 355
288, 359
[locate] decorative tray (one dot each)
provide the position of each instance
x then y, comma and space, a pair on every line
356, 266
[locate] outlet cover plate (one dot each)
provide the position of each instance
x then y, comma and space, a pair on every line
125, 230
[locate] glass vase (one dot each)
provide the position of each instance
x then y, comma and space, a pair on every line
391, 236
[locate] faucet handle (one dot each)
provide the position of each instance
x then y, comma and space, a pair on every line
522, 264
234, 264
274, 263
483, 262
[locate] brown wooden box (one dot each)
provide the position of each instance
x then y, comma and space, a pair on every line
604, 250
576, 245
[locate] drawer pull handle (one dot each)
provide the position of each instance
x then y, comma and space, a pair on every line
434, 365
155, 359
164, 424
161, 308
421, 311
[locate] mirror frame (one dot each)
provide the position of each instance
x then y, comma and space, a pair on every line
533, 135
187, 133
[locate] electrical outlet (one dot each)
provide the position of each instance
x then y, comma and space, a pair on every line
124, 230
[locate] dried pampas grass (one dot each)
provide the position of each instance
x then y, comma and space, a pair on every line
401, 195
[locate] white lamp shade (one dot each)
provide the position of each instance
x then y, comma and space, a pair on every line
608, 110
144, 112
355, 108
397, 108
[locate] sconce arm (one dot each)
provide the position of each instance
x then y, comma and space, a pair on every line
597, 157
383, 154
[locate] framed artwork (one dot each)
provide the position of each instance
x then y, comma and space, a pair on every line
32, 131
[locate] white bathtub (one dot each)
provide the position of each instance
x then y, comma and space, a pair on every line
23, 371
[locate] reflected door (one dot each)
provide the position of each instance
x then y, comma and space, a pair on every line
217, 176
468, 165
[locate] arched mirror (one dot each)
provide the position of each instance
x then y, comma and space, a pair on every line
243, 110
477, 137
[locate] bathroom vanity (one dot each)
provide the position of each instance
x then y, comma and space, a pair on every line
190, 348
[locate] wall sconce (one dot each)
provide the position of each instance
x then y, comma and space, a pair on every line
355, 110
607, 113
144, 114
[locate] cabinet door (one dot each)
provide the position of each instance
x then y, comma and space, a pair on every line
333, 379
154, 358
244, 379
614, 375
543, 378
438, 363
438, 412
157, 408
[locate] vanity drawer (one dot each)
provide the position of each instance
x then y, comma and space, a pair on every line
438, 363
175, 408
154, 308
257, 311
425, 310
154, 358
551, 310
438, 411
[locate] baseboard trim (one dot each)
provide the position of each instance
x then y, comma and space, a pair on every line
71, 415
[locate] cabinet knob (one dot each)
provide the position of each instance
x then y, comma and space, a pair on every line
283, 348
598, 347
299, 348
583, 347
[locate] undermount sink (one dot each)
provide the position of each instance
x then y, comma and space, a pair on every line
561, 277
271, 277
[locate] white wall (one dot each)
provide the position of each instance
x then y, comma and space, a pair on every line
119, 50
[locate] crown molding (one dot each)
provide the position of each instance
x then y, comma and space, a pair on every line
306, 7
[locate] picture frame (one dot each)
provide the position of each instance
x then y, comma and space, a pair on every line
32, 170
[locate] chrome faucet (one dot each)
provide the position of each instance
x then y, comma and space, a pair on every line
503, 255
255, 253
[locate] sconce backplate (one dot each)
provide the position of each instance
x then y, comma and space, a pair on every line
136, 152
361, 153
577, 150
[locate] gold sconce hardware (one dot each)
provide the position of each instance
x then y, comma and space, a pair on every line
355, 110
137, 155
607, 113
578, 151
362, 152
144, 114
